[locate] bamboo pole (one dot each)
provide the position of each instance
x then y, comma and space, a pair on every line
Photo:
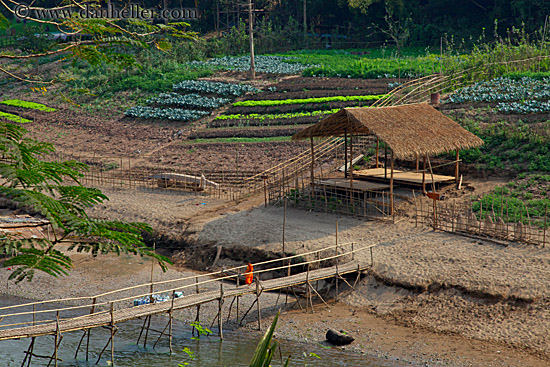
336, 254
197, 318
312, 164
457, 164
351, 164
171, 318
346, 153
391, 185
56, 337
377, 151
220, 306
424, 175
284, 226
258, 302
112, 335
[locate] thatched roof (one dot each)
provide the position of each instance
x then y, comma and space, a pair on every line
408, 129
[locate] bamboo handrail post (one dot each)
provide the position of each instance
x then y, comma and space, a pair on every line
197, 318
171, 318
258, 302
220, 318
56, 338
112, 335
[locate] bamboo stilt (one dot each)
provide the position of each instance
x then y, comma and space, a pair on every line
220, 318
258, 302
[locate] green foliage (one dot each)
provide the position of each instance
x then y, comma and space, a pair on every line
201, 330
13, 117
523, 199
165, 113
190, 355
280, 102
266, 347
53, 190
271, 116
26, 104
34, 38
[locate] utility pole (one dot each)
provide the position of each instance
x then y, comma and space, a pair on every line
305, 18
251, 33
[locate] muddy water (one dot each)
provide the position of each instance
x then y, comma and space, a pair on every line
236, 349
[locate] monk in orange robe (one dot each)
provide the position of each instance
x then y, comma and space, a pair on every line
249, 276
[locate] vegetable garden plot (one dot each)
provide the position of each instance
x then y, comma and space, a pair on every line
370, 86
188, 100
513, 96
289, 108
197, 105
219, 88
240, 120
315, 93
165, 113
263, 64
244, 133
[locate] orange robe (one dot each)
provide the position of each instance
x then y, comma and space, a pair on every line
249, 276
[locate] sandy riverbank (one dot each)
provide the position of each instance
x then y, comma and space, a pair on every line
430, 298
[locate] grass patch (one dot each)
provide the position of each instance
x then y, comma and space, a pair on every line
237, 140
524, 199
26, 104
14, 118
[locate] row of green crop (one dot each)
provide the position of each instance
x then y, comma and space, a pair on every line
12, 117
165, 113
280, 102
26, 104
270, 116
268, 119
503, 90
219, 88
525, 107
188, 100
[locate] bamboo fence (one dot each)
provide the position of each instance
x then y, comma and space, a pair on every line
496, 221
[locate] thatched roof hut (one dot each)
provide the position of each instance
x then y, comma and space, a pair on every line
409, 130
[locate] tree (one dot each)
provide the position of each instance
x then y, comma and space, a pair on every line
53, 190
81, 35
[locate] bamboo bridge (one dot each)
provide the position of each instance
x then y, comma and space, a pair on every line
101, 312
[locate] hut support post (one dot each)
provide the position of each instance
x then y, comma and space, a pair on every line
346, 153
457, 166
351, 163
391, 185
385, 161
312, 164
377, 150
424, 175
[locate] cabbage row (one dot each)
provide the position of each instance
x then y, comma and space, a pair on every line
208, 87
263, 64
165, 113
188, 100
504, 90
524, 107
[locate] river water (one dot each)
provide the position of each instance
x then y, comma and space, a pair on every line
236, 349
